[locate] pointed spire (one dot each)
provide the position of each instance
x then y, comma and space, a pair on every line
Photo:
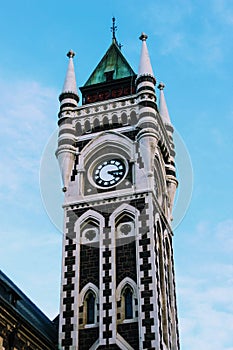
163, 110
69, 97
145, 67
70, 80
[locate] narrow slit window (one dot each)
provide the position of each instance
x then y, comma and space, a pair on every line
128, 304
90, 308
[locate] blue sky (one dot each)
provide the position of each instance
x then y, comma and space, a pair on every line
191, 50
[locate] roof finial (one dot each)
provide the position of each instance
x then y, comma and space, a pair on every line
70, 54
113, 28
143, 37
161, 86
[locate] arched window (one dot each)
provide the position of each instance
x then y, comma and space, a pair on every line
114, 120
96, 124
106, 122
128, 296
133, 118
87, 126
90, 307
127, 301
78, 129
124, 119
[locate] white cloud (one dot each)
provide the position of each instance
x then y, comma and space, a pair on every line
205, 292
27, 117
30, 245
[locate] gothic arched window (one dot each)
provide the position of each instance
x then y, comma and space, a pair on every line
127, 301
128, 296
90, 308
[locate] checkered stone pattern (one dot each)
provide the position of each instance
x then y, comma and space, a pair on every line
166, 299
171, 300
147, 289
68, 294
158, 287
106, 287
68, 317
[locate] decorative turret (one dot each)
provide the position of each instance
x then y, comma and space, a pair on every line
66, 141
69, 96
163, 106
171, 180
145, 68
145, 77
145, 87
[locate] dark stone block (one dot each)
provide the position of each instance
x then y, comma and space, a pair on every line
148, 322
89, 265
107, 320
67, 342
129, 331
67, 327
68, 287
144, 241
147, 344
107, 306
70, 247
107, 292
148, 307
69, 313
149, 336
126, 262
145, 254
107, 279
87, 337
106, 267
68, 300
145, 267
69, 274
70, 260
146, 293
107, 334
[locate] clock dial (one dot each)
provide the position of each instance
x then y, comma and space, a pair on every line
109, 172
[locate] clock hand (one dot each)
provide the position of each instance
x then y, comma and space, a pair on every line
114, 172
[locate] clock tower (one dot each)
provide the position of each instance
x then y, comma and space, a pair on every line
116, 156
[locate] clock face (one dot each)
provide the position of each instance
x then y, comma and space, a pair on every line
109, 172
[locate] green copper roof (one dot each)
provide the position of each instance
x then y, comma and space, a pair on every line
113, 61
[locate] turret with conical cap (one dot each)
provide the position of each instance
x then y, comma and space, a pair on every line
145, 77
145, 85
145, 68
163, 110
66, 141
171, 179
69, 96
